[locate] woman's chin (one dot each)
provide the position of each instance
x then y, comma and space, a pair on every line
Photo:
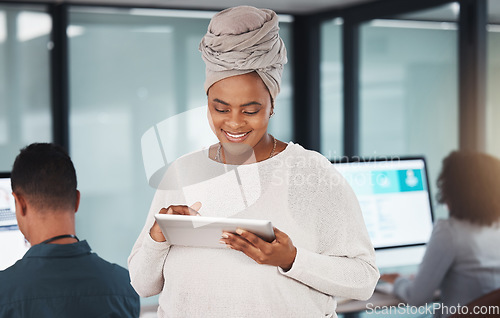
236, 149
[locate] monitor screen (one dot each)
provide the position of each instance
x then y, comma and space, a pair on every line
394, 198
12, 242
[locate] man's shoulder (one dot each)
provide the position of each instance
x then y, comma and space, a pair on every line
15, 274
17, 283
107, 269
8, 277
42, 283
72, 273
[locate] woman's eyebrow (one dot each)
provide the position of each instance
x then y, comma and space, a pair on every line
243, 105
220, 101
251, 103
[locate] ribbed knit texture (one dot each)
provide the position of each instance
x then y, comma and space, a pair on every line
304, 196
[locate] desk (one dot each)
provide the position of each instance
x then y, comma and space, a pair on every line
352, 308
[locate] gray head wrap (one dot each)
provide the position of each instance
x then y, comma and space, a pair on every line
241, 40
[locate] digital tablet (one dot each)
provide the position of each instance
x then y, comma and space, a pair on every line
202, 231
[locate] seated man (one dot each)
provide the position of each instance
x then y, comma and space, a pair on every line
59, 276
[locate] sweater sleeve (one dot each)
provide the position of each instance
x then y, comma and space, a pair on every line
147, 258
343, 263
438, 258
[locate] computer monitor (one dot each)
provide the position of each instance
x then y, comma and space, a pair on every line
395, 200
13, 246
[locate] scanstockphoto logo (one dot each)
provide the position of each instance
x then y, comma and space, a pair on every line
196, 177
190, 134
432, 309
357, 159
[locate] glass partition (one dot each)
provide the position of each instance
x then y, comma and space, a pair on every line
331, 120
24, 79
409, 87
493, 79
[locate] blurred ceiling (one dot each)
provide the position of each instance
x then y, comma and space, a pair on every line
283, 6
448, 12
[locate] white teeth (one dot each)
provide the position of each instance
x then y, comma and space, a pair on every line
236, 136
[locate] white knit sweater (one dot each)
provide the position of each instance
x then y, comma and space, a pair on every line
304, 196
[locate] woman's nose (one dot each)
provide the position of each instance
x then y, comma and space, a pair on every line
235, 120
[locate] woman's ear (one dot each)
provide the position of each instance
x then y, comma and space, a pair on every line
272, 106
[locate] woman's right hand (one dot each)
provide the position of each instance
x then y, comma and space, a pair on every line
390, 278
156, 233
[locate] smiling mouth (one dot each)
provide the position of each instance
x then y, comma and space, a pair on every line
236, 137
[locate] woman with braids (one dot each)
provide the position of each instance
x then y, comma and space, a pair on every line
322, 248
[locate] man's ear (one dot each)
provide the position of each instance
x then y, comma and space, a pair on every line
20, 203
77, 205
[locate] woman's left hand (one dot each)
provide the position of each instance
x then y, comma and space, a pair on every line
280, 252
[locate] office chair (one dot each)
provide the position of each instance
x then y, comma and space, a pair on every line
491, 299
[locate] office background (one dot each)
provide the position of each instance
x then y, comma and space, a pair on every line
381, 78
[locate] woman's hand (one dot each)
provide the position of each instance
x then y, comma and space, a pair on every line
280, 252
390, 278
155, 231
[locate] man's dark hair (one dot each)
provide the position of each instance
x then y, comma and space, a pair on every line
45, 175
470, 184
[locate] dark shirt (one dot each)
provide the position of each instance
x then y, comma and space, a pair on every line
66, 280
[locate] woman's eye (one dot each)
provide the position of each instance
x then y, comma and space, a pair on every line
251, 113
